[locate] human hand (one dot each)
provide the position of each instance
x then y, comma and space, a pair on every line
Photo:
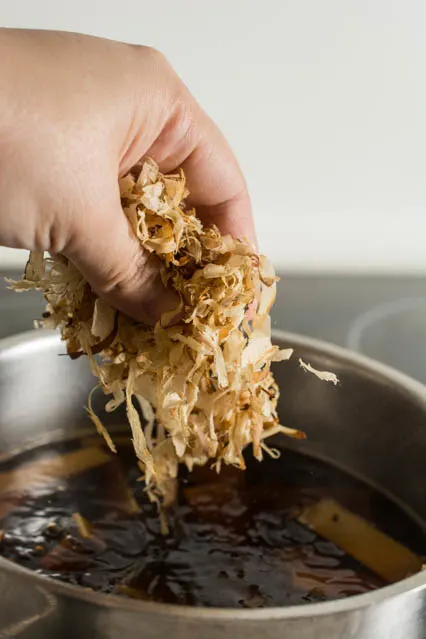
78, 112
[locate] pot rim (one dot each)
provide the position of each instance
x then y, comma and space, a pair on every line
31, 341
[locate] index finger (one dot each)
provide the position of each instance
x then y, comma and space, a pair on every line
217, 187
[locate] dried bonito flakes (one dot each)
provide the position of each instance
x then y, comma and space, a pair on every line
203, 385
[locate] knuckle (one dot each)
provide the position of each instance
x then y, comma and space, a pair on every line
134, 277
151, 56
152, 63
155, 55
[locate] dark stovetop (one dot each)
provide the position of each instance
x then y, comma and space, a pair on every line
383, 317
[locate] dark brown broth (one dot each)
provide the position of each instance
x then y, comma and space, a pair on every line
233, 538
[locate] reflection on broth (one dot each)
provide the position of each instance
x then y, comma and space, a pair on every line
264, 537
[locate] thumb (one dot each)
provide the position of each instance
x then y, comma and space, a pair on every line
108, 254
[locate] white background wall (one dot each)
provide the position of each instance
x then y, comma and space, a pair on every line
324, 102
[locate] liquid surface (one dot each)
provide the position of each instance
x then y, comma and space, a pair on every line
234, 540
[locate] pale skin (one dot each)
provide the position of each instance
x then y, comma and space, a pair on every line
76, 113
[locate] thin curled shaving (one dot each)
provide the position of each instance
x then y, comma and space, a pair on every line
325, 376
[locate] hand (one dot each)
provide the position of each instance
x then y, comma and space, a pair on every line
76, 113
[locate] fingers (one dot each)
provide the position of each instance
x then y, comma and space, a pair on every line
217, 187
190, 139
110, 257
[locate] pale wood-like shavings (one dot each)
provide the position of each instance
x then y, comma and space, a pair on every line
98, 424
325, 376
203, 371
103, 319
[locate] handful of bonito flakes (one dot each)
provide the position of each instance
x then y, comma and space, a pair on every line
203, 385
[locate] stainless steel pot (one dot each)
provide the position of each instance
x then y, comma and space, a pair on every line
373, 424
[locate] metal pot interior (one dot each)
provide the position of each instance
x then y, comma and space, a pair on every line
373, 424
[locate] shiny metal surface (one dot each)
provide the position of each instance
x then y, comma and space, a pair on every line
374, 424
